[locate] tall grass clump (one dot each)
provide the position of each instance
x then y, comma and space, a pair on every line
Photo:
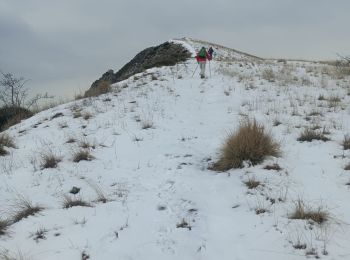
5, 141
23, 209
102, 87
302, 211
250, 143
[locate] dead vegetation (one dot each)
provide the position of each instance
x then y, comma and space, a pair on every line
249, 143
82, 155
5, 141
274, 166
305, 212
252, 183
4, 225
102, 87
24, 208
69, 202
308, 135
49, 160
346, 142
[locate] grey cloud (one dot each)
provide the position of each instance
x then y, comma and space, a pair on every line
76, 41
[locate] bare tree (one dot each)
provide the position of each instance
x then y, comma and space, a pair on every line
13, 92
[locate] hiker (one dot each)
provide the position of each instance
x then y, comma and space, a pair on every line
202, 57
210, 52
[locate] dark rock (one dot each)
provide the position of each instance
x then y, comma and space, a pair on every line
166, 54
74, 190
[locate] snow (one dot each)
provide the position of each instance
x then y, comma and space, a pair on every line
158, 177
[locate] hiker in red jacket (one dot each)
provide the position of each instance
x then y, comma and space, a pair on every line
202, 57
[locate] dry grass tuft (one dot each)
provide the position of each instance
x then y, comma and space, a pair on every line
5, 141
23, 209
69, 202
102, 87
82, 155
49, 160
4, 225
269, 75
251, 183
71, 140
308, 135
274, 166
302, 211
146, 124
347, 167
250, 143
7, 255
346, 142
87, 115
3, 152
85, 144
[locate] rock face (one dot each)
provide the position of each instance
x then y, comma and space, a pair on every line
166, 54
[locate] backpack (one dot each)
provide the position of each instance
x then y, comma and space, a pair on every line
201, 53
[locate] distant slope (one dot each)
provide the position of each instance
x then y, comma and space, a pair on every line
222, 52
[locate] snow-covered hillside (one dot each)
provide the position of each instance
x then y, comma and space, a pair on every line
147, 189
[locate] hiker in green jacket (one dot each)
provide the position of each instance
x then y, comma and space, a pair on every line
202, 57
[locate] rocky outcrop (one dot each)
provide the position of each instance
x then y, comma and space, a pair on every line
166, 54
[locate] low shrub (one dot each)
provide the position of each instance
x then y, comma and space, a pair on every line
302, 211
250, 143
23, 209
102, 87
308, 135
82, 155
69, 202
49, 160
346, 142
4, 225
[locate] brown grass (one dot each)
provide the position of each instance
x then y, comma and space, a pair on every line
5, 141
251, 183
302, 211
250, 143
346, 142
347, 167
49, 160
23, 209
4, 225
274, 166
308, 135
103, 87
82, 155
269, 75
69, 202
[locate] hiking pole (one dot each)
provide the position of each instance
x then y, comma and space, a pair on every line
209, 69
195, 70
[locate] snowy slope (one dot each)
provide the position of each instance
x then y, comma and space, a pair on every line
156, 179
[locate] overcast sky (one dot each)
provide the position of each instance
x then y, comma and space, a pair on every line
63, 46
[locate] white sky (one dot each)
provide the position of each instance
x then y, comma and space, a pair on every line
63, 46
